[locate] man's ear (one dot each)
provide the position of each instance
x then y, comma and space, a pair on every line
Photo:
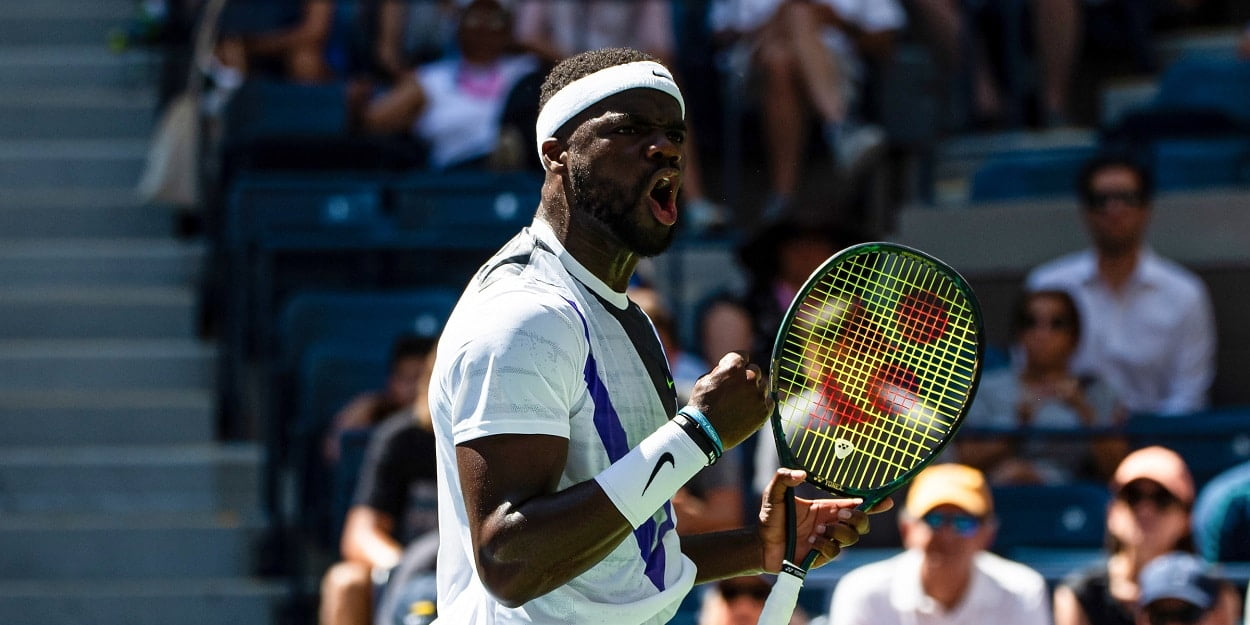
553, 155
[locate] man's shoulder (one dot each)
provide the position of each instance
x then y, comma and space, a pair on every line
1060, 271
1172, 275
1016, 577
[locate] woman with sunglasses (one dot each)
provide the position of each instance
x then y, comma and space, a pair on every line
1149, 515
945, 575
1038, 421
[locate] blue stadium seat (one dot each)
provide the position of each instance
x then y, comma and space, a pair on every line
276, 204
1028, 174
473, 208
1209, 441
352, 447
1196, 163
331, 373
379, 316
1063, 516
1201, 82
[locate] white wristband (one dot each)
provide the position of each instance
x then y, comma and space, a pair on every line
649, 475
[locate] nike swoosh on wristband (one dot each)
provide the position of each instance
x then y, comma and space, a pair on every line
665, 457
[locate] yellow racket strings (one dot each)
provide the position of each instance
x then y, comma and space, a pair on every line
875, 369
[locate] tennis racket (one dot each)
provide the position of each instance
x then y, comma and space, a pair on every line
873, 368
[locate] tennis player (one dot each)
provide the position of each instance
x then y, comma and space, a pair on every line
560, 441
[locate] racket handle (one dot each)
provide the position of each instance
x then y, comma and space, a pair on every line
784, 595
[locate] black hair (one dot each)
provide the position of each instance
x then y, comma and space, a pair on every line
585, 64
1020, 319
1107, 160
407, 346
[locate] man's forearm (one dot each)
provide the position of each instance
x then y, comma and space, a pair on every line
724, 554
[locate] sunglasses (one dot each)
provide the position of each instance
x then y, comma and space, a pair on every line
1100, 200
1028, 322
1187, 614
758, 593
965, 525
1161, 498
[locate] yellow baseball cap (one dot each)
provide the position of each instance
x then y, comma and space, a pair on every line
956, 484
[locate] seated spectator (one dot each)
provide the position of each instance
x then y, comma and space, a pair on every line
1179, 588
946, 574
739, 601
1149, 515
1243, 50
287, 38
1149, 329
809, 60
455, 104
556, 29
408, 370
713, 499
1222, 516
393, 508
1043, 392
410, 34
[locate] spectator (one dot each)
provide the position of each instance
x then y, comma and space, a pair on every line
1222, 516
810, 60
408, 370
289, 38
455, 105
1042, 392
1243, 50
739, 601
1179, 588
557, 29
1149, 515
946, 574
712, 500
953, 29
1149, 326
395, 505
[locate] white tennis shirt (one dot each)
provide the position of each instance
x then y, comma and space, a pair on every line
538, 345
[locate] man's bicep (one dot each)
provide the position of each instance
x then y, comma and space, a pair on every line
498, 474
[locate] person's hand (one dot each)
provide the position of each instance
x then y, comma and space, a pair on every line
826, 525
732, 396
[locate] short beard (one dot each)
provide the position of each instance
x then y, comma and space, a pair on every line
611, 208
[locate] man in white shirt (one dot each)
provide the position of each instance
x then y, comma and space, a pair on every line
946, 576
560, 440
1150, 330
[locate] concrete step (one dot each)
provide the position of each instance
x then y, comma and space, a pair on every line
148, 546
55, 365
72, 163
203, 478
82, 262
92, 113
79, 213
89, 65
237, 601
61, 21
106, 417
86, 312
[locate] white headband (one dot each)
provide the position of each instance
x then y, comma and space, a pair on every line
580, 94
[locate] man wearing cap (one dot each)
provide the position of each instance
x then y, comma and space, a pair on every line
1178, 588
945, 575
560, 441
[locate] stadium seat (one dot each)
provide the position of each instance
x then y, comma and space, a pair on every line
378, 316
471, 208
331, 373
1062, 516
1201, 82
1028, 174
1197, 163
1209, 441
